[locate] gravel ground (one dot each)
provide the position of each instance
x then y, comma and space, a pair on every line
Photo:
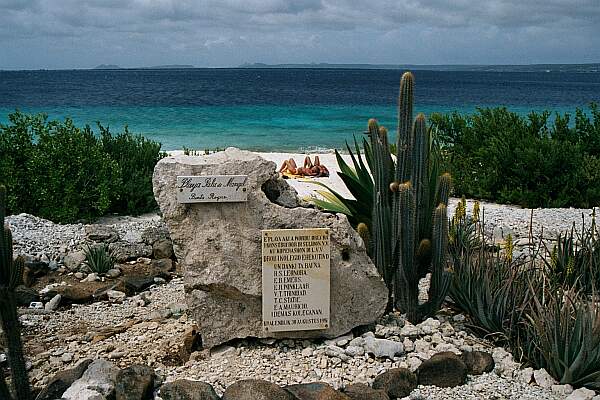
45, 240
132, 332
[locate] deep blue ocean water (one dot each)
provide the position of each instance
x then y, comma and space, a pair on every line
274, 109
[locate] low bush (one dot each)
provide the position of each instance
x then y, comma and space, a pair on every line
64, 173
72, 177
500, 156
136, 157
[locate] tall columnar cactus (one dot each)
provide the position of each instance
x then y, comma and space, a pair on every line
409, 226
11, 273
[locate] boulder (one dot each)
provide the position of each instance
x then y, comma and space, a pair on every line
360, 391
383, 347
581, 394
137, 283
162, 267
444, 369
256, 389
74, 259
53, 303
219, 248
80, 293
396, 382
62, 380
162, 248
97, 383
126, 251
101, 233
153, 234
25, 296
478, 362
543, 378
113, 273
187, 390
316, 391
134, 383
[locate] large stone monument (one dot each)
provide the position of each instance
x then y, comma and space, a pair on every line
220, 243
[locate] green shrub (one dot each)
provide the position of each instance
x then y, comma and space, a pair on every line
16, 151
136, 157
67, 174
73, 178
500, 156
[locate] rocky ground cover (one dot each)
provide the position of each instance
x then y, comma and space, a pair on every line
147, 332
153, 329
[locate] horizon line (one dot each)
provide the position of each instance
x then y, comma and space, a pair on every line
313, 65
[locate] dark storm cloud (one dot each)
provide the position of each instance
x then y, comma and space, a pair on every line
40, 33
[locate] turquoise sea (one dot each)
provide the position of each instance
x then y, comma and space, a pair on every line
274, 109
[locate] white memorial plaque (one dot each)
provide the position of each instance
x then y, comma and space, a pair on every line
295, 279
212, 189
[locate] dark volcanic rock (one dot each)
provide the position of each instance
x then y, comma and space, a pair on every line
360, 391
187, 390
137, 283
62, 380
25, 295
396, 382
478, 362
134, 383
444, 369
256, 389
316, 391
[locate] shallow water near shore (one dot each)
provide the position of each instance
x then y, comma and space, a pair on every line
279, 109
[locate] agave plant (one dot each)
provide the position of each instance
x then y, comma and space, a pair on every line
99, 258
359, 182
492, 289
575, 258
563, 336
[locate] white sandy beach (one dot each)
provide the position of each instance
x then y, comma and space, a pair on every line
304, 187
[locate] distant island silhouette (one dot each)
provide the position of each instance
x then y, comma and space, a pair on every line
169, 66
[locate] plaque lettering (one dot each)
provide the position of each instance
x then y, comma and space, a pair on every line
295, 279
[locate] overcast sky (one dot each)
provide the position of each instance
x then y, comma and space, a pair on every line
84, 33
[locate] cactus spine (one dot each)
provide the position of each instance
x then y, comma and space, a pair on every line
410, 226
11, 273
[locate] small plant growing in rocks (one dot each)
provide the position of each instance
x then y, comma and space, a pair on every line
99, 258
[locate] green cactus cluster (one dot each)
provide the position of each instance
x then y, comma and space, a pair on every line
11, 274
409, 233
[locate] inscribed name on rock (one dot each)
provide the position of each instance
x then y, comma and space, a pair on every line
212, 189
